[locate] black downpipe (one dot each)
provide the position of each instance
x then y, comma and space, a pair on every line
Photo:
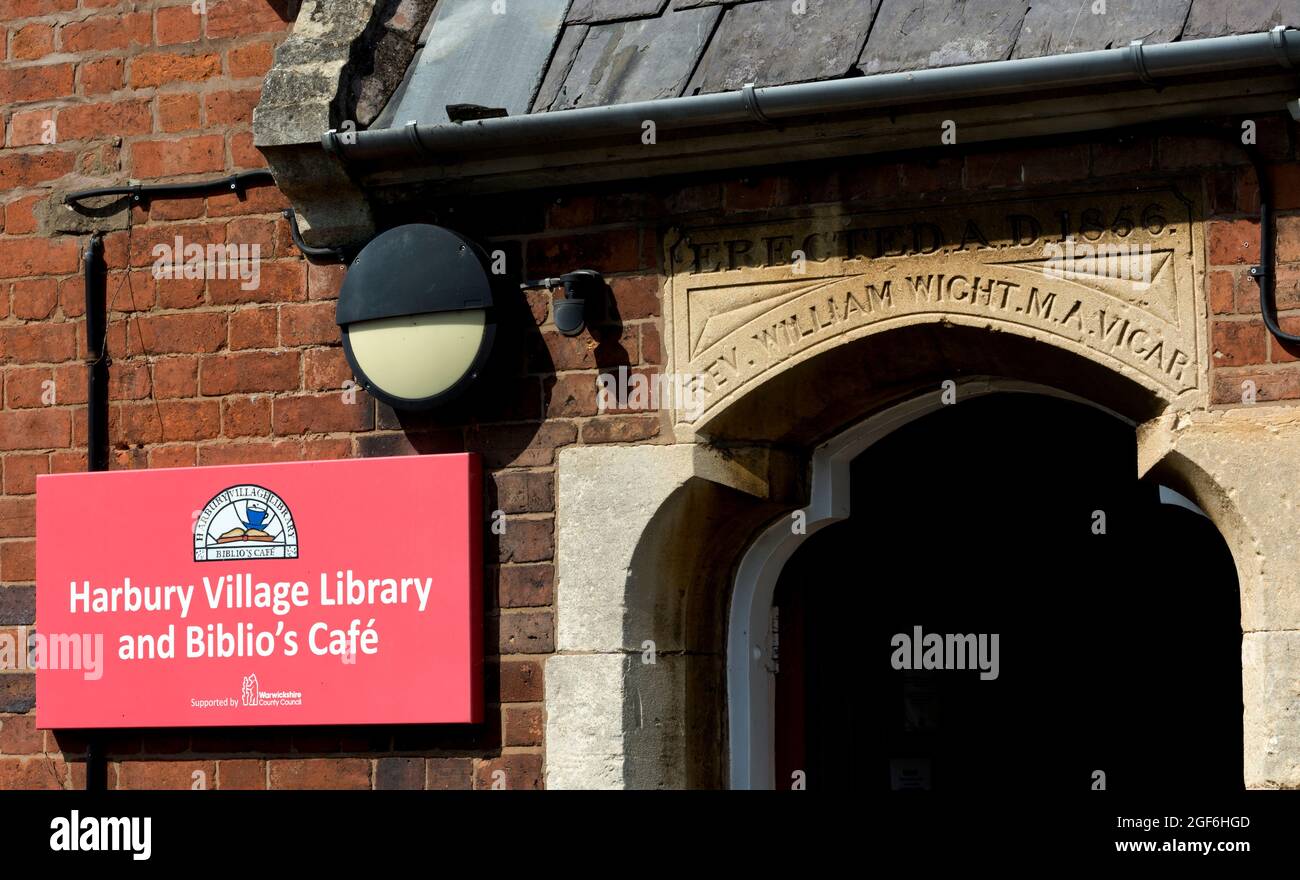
1265, 274
96, 429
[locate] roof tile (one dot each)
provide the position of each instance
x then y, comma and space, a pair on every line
767, 43
918, 34
636, 60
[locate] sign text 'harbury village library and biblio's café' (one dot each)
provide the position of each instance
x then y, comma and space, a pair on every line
336, 592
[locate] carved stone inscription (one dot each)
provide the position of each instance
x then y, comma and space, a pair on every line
1111, 276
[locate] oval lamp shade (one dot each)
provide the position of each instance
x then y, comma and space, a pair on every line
414, 357
416, 312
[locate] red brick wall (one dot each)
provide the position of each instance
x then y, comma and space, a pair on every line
204, 372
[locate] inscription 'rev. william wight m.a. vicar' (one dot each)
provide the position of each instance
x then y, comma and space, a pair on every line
1111, 276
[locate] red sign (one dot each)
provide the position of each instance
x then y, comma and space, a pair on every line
333, 592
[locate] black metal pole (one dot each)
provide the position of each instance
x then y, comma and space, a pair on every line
96, 429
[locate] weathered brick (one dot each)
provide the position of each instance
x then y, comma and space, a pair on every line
249, 372
320, 773
526, 632
321, 414
137, 775
160, 68
517, 771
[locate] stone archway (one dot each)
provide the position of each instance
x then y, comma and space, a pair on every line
788, 349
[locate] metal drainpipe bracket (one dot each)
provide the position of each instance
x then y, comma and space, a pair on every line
1140, 64
1277, 36
750, 96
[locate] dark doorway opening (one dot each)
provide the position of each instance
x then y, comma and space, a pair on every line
1117, 652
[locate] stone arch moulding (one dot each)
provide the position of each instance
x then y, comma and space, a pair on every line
750, 695
1112, 277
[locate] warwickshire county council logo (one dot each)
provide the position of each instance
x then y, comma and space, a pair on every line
245, 522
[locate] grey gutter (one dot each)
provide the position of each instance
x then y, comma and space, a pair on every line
544, 132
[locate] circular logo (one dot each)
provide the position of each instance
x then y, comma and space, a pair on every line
245, 522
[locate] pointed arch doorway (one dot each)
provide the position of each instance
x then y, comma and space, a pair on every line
1118, 635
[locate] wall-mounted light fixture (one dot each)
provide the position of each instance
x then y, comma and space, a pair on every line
416, 311
571, 309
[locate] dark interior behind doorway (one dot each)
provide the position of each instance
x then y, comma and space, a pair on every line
1118, 652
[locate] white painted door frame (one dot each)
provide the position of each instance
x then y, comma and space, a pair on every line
750, 693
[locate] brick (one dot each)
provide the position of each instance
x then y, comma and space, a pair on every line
322, 414
20, 472
1197, 151
521, 681
17, 565
44, 82
621, 429
250, 60
1222, 293
325, 369
33, 773
102, 75
1272, 385
614, 251
245, 417
523, 725
525, 586
176, 24
19, 170
449, 774
89, 121
243, 153
44, 428
17, 691
176, 377
311, 324
1234, 241
20, 216
160, 68
17, 516
230, 107
278, 281
636, 296
244, 774
754, 194
524, 491
19, 736
257, 200
1238, 343
168, 421
17, 607
193, 155
104, 32
249, 372
174, 455
1288, 239
25, 387
34, 300
393, 774
526, 540
519, 445
32, 42
15, 9
571, 395
253, 328
178, 112
526, 632
196, 332
29, 127
518, 771
146, 775
250, 453
320, 773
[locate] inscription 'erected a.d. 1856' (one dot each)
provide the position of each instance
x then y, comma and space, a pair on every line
1111, 276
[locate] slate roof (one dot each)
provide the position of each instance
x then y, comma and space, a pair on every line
535, 56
